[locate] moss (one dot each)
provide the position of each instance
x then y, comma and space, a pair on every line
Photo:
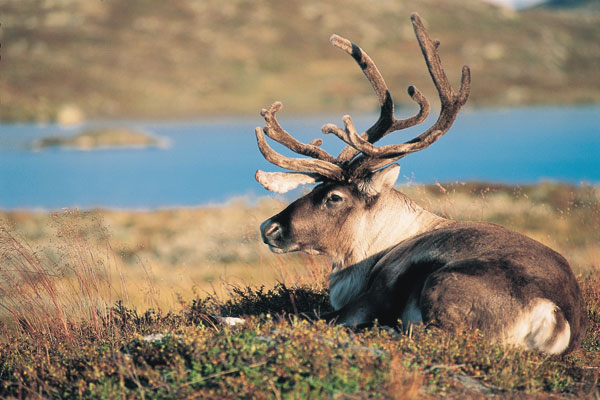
275, 354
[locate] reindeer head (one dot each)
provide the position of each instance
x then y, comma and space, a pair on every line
354, 186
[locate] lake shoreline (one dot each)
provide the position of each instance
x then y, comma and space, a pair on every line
255, 199
212, 161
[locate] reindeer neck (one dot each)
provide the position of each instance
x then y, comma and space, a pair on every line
398, 219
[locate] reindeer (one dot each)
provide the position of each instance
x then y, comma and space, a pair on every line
393, 260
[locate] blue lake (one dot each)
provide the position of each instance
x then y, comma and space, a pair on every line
211, 161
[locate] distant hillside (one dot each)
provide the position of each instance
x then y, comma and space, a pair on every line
179, 58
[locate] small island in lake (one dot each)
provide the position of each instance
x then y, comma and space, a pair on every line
101, 139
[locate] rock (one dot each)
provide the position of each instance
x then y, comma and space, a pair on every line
69, 114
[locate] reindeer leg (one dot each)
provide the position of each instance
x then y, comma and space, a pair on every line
359, 313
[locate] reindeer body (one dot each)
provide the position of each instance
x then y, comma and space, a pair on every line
393, 260
469, 276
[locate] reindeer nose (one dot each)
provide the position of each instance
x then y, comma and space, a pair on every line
270, 231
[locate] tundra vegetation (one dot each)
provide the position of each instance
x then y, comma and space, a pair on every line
120, 304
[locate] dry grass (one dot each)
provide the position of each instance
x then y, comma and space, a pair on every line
403, 384
166, 255
162, 256
74, 285
55, 296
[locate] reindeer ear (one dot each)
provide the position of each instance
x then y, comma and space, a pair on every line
382, 179
282, 182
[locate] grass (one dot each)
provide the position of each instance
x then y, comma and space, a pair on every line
73, 322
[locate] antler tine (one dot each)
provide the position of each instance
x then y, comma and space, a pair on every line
386, 122
373, 157
321, 167
368, 67
434, 65
360, 143
347, 166
282, 182
273, 130
423, 113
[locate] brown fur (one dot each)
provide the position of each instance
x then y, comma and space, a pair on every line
393, 260
463, 275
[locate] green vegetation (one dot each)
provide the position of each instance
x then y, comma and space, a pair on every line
98, 139
83, 311
279, 354
153, 59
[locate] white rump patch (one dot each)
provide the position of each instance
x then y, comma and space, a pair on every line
534, 329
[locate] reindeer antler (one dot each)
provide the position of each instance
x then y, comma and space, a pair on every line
321, 165
361, 157
387, 122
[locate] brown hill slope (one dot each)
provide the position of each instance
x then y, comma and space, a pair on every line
178, 58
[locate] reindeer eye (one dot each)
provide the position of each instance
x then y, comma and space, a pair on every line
334, 199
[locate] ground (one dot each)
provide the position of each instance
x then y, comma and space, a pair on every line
123, 304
